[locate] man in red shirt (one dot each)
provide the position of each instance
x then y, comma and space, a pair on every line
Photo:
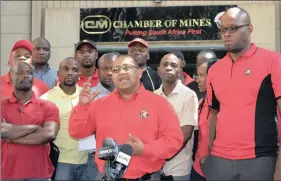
150, 127
243, 90
87, 54
21, 51
28, 124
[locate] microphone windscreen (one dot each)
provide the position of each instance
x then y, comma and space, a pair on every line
126, 148
108, 142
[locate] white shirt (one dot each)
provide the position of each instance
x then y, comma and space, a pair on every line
185, 103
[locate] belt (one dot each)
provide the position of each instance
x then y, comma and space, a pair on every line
145, 177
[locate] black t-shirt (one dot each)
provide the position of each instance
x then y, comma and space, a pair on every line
150, 79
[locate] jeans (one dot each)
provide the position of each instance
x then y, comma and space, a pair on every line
186, 177
260, 168
67, 171
194, 176
31, 179
92, 168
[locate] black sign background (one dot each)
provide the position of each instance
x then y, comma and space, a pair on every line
155, 13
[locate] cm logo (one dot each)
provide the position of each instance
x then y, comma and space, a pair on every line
96, 24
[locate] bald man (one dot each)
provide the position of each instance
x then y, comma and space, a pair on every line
40, 59
105, 86
204, 56
243, 91
28, 124
72, 163
105, 64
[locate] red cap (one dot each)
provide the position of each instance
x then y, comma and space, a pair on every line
24, 44
138, 40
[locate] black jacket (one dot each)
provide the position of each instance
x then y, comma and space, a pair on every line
150, 79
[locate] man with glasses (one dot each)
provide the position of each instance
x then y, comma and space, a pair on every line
150, 127
243, 90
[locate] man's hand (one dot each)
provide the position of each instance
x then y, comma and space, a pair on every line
87, 95
202, 161
136, 144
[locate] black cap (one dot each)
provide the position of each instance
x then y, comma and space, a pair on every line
89, 42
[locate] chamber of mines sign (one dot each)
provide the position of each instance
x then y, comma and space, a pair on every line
151, 23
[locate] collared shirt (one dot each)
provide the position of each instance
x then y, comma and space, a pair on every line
244, 92
155, 123
20, 161
104, 91
185, 103
94, 81
7, 87
48, 76
68, 146
203, 138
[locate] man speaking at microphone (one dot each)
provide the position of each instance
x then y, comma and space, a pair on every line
140, 118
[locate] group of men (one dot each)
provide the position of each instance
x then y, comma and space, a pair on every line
160, 114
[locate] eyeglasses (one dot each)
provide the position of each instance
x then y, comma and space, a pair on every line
231, 30
125, 67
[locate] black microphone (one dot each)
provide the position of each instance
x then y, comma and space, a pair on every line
109, 150
122, 161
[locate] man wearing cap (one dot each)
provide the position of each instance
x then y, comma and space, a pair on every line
139, 50
21, 51
86, 54
42, 52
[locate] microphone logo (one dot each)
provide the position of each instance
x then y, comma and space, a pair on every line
106, 151
123, 158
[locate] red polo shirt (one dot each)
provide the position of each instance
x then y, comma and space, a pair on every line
26, 161
203, 138
7, 88
94, 81
154, 122
245, 92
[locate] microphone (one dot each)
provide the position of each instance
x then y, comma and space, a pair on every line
109, 150
122, 161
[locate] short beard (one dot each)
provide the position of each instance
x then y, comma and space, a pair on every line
69, 84
108, 86
40, 64
23, 89
235, 50
87, 66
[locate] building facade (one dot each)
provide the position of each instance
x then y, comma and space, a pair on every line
59, 22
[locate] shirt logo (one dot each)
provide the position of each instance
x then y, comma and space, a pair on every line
144, 114
248, 71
